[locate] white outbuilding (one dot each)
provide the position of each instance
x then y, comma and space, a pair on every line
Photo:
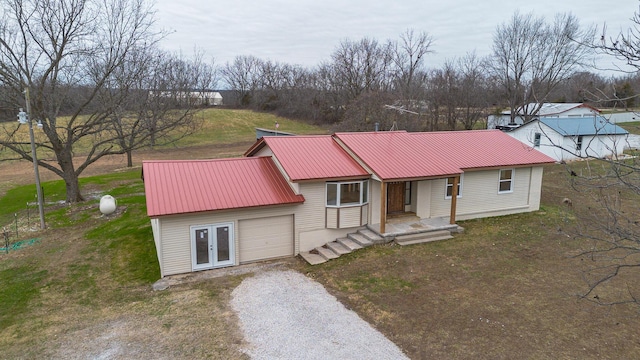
566, 139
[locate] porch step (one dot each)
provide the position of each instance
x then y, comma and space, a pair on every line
313, 259
372, 236
359, 239
349, 243
338, 248
423, 237
326, 253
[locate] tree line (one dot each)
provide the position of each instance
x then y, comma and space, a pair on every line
534, 60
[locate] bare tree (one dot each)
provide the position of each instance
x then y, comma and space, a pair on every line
408, 60
66, 52
457, 94
474, 90
611, 229
243, 77
163, 101
531, 57
361, 66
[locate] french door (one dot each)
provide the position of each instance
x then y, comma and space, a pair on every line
212, 246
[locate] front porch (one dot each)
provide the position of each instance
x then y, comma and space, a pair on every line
404, 229
411, 226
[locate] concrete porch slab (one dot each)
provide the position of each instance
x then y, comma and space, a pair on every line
414, 226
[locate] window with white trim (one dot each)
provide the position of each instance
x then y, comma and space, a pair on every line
536, 139
449, 187
505, 184
348, 193
579, 143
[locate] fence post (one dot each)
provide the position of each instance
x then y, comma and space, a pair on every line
15, 215
6, 239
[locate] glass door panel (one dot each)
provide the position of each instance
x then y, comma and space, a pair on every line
222, 244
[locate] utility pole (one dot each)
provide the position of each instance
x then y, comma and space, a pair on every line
27, 117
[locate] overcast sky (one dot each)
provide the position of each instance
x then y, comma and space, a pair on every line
306, 32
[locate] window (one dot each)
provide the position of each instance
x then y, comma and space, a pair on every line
579, 143
350, 193
407, 193
536, 140
449, 187
506, 181
347, 193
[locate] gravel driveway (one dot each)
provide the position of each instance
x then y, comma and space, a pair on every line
285, 315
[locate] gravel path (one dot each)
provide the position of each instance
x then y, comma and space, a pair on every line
285, 315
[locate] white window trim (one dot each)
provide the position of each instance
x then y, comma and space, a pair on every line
500, 181
536, 144
446, 186
339, 183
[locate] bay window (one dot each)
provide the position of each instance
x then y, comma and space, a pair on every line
348, 193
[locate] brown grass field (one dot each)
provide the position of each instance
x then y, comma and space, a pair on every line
506, 288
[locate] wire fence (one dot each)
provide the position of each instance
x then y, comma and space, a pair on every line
17, 226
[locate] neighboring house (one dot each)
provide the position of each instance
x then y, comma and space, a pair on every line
215, 98
292, 194
573, 138
548, 110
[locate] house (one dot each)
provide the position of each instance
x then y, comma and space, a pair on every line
292, 194
548, 110
573, 138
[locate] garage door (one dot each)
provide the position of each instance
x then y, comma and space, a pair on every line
265, 238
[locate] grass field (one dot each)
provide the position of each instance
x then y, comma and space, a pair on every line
507, 288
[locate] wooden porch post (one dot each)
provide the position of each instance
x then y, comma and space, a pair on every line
383, 206
454, 199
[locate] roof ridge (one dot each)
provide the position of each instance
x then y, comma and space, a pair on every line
205, 160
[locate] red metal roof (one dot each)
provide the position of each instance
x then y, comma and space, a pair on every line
187, 186
402, 155
311, 157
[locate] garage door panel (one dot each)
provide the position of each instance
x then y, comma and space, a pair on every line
265, 238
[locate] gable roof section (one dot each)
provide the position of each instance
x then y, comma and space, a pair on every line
188, 186
310, 157
396, 155
596, 125
554, 108
401, 155
476, 149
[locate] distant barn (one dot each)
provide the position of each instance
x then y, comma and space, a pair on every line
260, 132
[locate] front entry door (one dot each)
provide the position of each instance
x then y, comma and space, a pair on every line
395, 197
212, 246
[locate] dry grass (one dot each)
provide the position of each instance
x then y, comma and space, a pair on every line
507, 288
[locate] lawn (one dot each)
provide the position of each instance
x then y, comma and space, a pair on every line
506, 288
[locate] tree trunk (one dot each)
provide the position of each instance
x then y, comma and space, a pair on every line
129, 158
70, 177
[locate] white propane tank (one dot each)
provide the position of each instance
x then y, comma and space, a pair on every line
107, 204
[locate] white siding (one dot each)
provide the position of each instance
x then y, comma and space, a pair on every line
423, 198
364, 215
332, 218
350, 217
480, 197
374, 202
563, 148
155, 229
175, 247
310, 218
